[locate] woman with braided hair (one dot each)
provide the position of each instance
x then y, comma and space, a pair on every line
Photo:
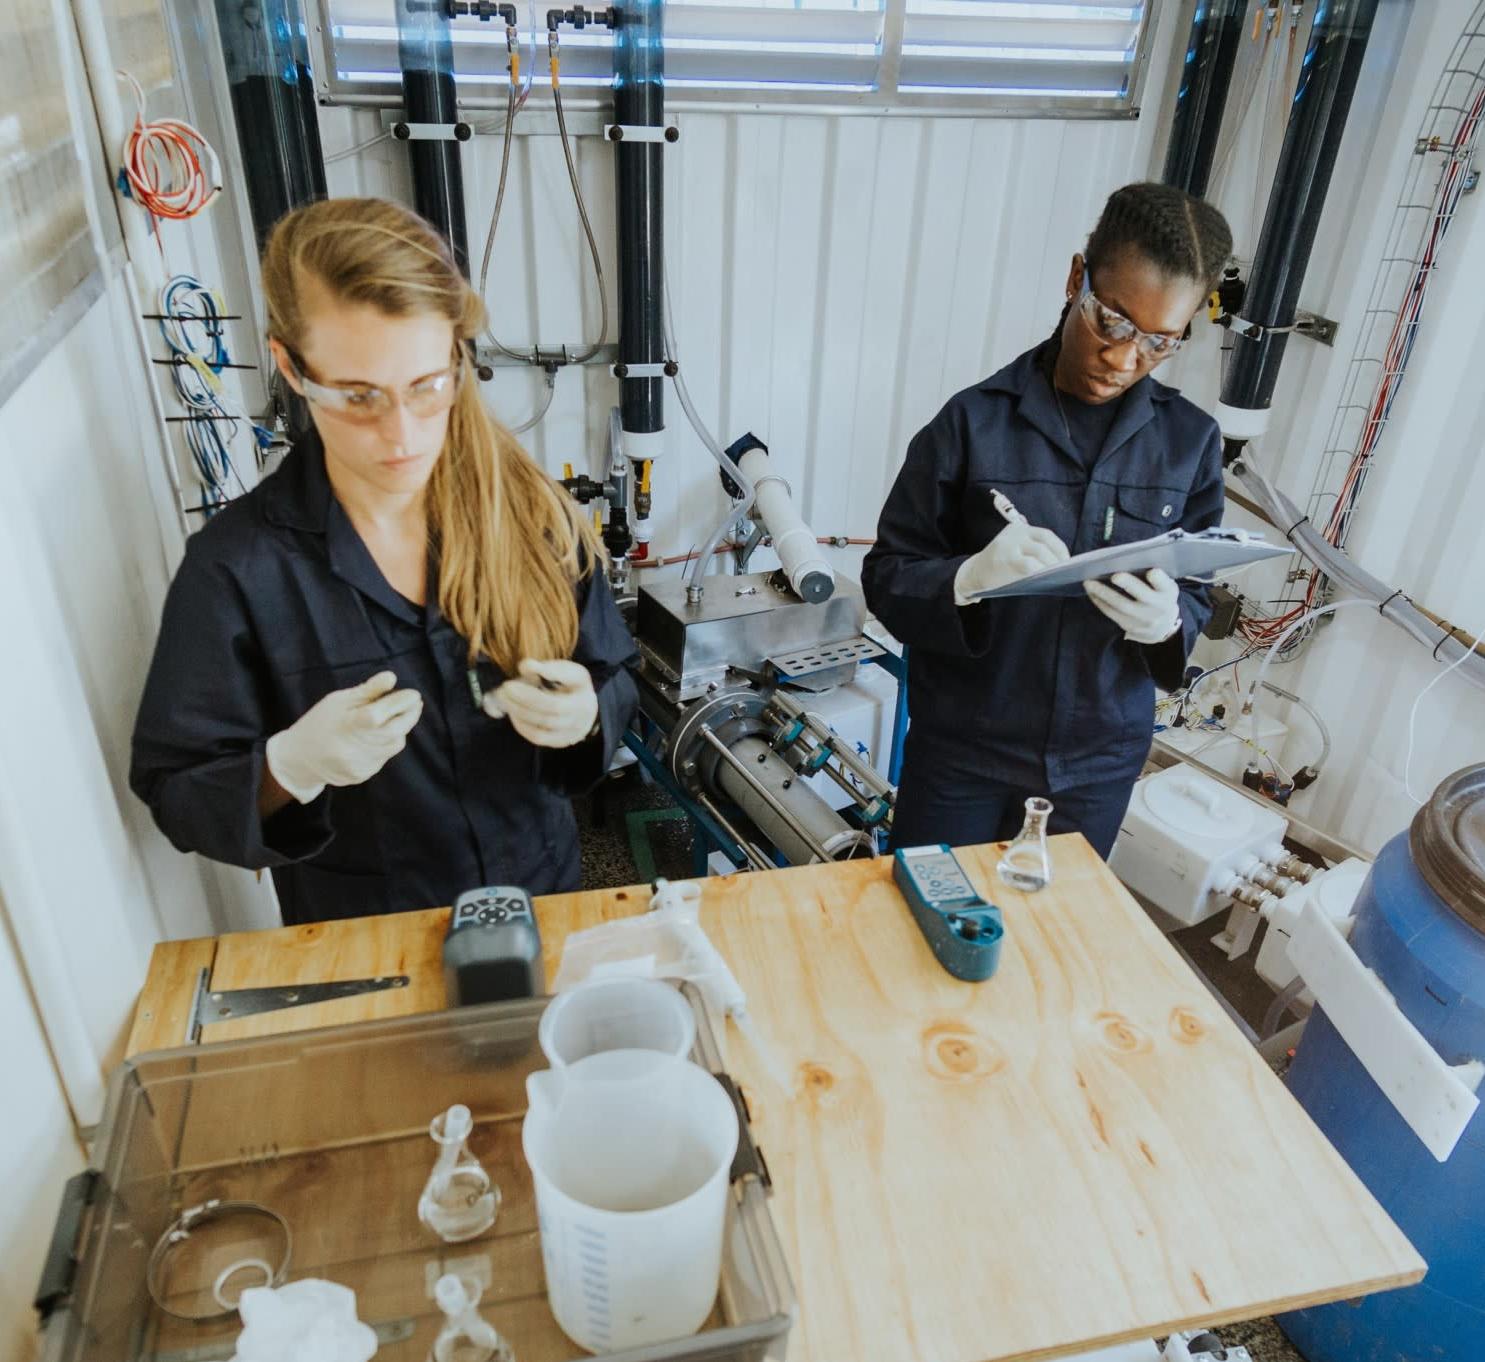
1041, 695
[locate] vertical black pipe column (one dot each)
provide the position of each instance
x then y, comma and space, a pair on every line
273, 105
426, 56
1206, 74
1322, 99
639, 101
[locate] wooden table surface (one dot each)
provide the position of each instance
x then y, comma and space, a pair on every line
1080, 1151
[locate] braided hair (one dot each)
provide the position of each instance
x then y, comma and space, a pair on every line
1183, 236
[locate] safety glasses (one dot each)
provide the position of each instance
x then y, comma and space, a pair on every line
366, 405
1114, 328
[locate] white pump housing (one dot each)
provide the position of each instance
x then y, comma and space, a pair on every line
1187, 839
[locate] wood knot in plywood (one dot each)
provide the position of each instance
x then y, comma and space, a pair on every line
1186, 1026
959, 1054
1120, 1034
815, 1079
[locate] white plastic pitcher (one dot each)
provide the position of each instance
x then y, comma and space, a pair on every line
630, 1151
619, 1013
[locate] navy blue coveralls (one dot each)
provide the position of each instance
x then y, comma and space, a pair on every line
1032, 695
277, 603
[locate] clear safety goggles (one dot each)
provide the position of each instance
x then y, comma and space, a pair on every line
1114, 328
365, 405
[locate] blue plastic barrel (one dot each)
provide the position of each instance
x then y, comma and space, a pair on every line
1420, 924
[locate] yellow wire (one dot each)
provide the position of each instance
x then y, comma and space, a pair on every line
644, 476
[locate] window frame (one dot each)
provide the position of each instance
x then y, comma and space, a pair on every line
886, 99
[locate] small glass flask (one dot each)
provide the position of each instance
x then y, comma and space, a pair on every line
1026, 864
466, 1336
459, 1201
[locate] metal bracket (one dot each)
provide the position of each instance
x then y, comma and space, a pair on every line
667, 369
542, 356
431, 132
821, 657
623, 132
217, 1005
1310, 324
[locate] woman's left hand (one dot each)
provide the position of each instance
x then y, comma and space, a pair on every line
1146, 609
551, 704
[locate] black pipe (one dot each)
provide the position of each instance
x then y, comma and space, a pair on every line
639, 101
1317, 121
426, 55
1206, 74
273, 105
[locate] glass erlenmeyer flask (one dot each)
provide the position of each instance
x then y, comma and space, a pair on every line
466, 1335
459, 1201
1026, 865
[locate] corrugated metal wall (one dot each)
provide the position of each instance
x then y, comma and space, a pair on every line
835, 278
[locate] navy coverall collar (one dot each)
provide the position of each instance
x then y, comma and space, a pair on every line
301, 498
1028, 378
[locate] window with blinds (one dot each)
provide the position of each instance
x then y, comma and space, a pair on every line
46, 246
1011, 57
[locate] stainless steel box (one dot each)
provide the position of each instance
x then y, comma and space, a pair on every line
741, 622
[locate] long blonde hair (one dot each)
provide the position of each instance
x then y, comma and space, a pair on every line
511, 544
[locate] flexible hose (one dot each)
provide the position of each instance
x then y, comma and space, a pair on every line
582, 208
713, 445
1319, 763
1342, 570
1282, 1002
546, 406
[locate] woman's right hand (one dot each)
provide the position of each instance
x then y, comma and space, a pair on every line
1017, 551
344, 739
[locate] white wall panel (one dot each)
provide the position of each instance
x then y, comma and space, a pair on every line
835, 278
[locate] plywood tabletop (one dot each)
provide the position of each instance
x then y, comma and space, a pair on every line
1083, 1149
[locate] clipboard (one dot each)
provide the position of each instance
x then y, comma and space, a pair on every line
1185, 557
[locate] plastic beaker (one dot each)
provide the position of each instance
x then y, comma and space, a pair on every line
619, 1013
630, 1152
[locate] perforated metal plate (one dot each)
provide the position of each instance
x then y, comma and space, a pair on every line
822, 656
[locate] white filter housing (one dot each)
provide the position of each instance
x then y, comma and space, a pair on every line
808, 570
1184, 835
1333, 892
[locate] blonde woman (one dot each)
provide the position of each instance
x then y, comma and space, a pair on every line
384, 671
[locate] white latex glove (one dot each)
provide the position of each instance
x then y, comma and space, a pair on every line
1017, 551
1146, 610
551, 704
345, 738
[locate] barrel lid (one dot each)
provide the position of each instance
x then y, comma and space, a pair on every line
1448, 843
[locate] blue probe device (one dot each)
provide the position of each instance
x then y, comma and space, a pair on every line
964, 931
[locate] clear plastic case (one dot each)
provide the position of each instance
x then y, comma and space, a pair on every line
329, 1129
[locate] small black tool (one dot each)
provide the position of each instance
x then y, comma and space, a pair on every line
493, 950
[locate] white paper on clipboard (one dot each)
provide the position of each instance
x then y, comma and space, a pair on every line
1182, 556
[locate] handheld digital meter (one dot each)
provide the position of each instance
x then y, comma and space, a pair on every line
963, 930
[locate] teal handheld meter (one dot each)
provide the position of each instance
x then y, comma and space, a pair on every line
964, 931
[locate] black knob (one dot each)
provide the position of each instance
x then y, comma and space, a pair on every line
616, 133
671, 368
462, 132
672, 134
485, 373
401, 131
621, 371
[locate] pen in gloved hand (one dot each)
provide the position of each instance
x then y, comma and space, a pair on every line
1006, 507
